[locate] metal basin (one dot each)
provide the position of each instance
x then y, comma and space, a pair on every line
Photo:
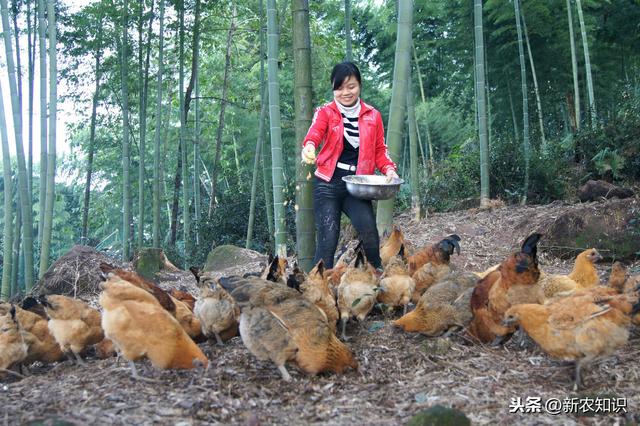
372, 187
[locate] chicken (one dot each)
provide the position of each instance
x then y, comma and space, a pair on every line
315, 288
13, 349
296, 278
135, 279
437, 254
426, 276
35, 331
576, 328
396, 286
73, 323
620, 279
515, 282
357, 291
183, 296
279, 324
444, 307
140, 327
345, 259
216, 310
487, 271
583, 275
179, 309
391, 246
276, 270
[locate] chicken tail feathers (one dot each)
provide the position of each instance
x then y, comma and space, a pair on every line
530, 245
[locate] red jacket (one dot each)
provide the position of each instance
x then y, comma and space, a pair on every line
327, 129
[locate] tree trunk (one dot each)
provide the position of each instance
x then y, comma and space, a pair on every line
516, 131
23, 188
157, 144
7, 257
535, 83
31, 47
17, 246
413, 152
347, 29
256, 161
92, 138
42, 25
587, 64
398, 106
143, 76
305, 223
194, 83
223, 104
51, 154
275, 131
525, 104
481, 104
195, 58
126, 184
574, 67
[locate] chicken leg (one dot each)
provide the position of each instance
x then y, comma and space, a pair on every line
285, 374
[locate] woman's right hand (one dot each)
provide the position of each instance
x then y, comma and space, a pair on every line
309, 154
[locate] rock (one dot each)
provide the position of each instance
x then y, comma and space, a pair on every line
612, 227
596, 190
76, 273
439, 415
229, 259
149, 261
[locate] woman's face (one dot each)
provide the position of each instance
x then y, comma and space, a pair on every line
348, 93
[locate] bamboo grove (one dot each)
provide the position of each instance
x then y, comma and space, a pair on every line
183, 119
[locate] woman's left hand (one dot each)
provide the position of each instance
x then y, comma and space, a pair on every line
391, 174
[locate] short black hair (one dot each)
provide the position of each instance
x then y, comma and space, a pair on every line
342, 71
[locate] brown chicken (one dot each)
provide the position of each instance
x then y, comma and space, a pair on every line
515, 282
584, 275
35, 330
428, 275
621, 280
276, 270
140, 327
279, 324
13, 349
296, 278
437, 254
396, 285
216, 310
315, 288
576, 328
444, 307
73, 323
391, 246
183, 296
345, 259
357, 291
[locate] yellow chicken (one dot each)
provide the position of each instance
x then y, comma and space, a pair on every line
396, 286
357, 291
576, 328
428, 275
140, 327
13, 349
215, 309
315, 288
584, 275
391, 247
74, 324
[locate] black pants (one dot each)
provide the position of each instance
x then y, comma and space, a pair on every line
330, 199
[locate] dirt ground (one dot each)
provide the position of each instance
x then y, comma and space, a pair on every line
400, 374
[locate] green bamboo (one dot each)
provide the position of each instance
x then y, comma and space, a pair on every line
186, 225
23, 188
347, 29
42, 55
7, 257
424, 101
275, 131
535, 82
398, 107
413, 152
525, 104
157, 143
574, 66
51, 154
587, 63
305, 223
126, 161
481, 103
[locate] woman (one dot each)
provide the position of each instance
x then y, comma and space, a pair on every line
352, 139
